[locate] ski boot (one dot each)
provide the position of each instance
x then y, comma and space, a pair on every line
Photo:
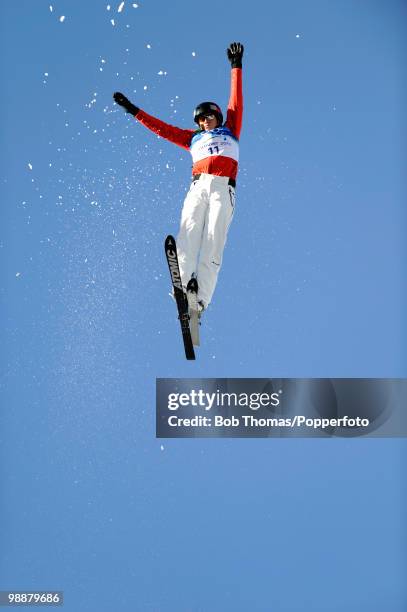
195, 309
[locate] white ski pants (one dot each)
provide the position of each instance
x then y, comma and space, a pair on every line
205, 219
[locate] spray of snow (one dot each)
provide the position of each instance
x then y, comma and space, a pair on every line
96, 289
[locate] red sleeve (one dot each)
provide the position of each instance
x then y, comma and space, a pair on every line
180, 137
235, 106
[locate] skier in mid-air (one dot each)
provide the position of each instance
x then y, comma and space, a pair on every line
209, 205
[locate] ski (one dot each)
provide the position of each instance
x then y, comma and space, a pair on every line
193, 310
180, 297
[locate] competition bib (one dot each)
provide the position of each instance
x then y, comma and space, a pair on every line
219, 141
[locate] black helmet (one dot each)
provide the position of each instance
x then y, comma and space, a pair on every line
208, 108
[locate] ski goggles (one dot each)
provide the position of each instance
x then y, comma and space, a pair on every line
208, 116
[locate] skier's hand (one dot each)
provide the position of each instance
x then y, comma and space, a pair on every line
121, 100
235, 54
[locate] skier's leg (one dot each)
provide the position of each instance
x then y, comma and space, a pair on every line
190, 233
218, 218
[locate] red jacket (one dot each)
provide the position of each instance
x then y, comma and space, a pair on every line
216, 151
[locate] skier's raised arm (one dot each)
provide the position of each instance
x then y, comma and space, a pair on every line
178, 136
235, 106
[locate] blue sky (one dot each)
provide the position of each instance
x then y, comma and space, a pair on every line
313, 285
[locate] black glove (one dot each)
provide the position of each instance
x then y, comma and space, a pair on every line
235, 54
120, 99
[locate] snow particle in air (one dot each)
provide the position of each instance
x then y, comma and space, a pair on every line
297, 36
62, 18
162, 447
193, 54
30, 166
145, 87
18, 274
120, 8
135, 5
148, 46
108, 7
112, 22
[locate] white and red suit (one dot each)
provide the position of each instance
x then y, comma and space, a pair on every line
209, 205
